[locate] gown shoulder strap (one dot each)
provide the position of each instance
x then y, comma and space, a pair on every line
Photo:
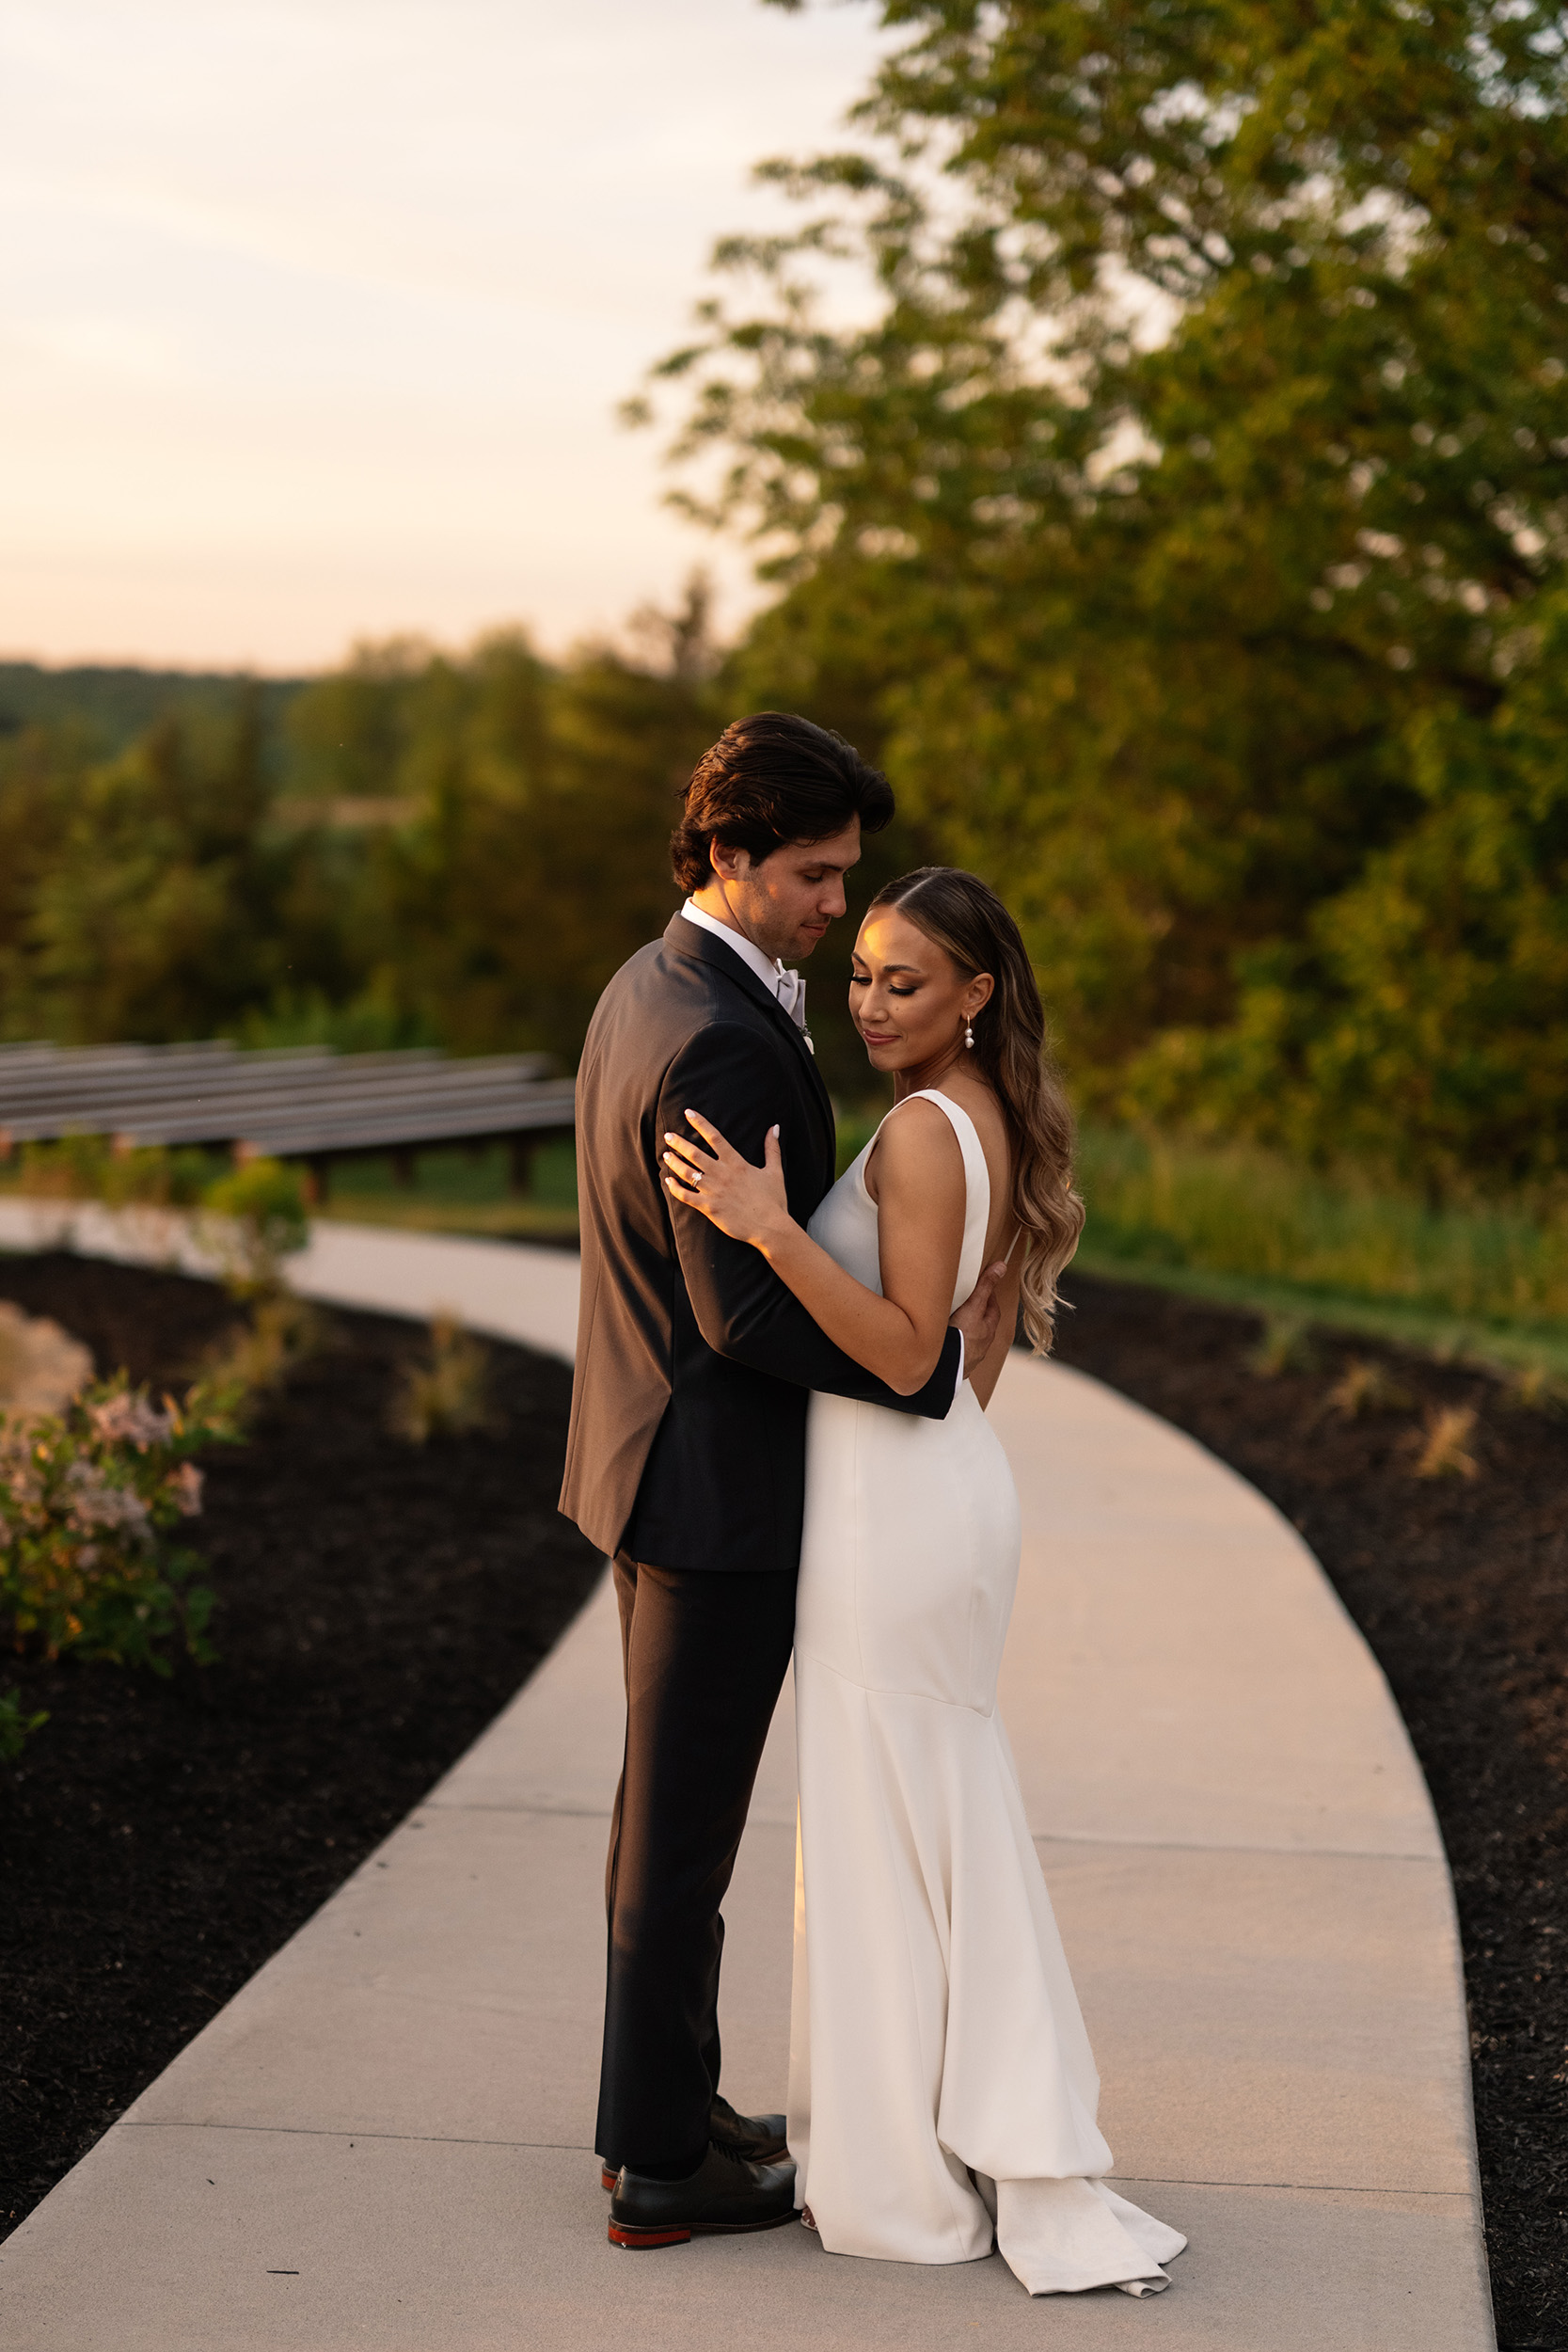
976, 1180
964, 1126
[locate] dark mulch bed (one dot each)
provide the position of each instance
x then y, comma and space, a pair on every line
1460, 1586
379, 1605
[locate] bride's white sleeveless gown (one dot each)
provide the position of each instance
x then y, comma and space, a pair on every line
941, 2078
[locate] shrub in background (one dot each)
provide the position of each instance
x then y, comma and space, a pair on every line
89, 1168
152, 1177
448, 1396
16, 1727
260, 1208
259, 1218
1444, 1443
258, 1355
72, 1169
1366, 1387
89, 1498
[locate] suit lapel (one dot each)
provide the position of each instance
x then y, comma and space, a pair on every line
818, 1087
689, 939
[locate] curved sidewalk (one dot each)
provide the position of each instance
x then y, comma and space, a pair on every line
381, 2142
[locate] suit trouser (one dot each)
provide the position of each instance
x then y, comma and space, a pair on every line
703, 1653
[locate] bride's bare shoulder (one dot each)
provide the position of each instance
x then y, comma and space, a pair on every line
917, 1146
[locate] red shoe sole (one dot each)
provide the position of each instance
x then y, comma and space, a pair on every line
607, 2179
680, 2235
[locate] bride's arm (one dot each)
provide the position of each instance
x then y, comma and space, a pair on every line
920, 1201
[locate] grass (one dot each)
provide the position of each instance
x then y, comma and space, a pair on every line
455, 1191
1245, 1228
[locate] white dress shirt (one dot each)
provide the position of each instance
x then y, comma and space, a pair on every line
788, 987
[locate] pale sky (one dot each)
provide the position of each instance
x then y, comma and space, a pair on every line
315, 314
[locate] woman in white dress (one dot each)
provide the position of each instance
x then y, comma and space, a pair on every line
942, 2085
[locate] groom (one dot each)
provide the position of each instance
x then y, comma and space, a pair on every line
686, 1460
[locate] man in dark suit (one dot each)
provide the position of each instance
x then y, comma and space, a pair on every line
686, 1460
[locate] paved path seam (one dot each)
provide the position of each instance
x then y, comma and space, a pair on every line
584, 2148
1041, 1837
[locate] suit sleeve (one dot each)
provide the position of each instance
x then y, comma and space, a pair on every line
743, 1311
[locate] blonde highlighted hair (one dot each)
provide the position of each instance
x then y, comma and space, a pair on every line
966, 919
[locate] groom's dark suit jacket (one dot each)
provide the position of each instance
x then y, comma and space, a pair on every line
694, 1363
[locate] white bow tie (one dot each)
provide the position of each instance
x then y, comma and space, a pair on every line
792, 996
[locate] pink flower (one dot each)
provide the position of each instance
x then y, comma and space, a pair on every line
186, 1486
96, 1503
129, 1416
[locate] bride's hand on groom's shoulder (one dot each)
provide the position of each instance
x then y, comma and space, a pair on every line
747, 1202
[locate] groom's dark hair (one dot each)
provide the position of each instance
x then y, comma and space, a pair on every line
769, 779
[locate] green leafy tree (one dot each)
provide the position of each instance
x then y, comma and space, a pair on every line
1187, 511
153, 913
1419, 1022
534, 806
42, 771
443, 849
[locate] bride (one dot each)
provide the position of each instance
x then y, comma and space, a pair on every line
942, 2085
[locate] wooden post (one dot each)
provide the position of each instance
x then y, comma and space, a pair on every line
406, 1168
319, 1180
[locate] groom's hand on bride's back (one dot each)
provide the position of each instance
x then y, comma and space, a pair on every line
979, 1315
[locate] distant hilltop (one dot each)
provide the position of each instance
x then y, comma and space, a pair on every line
116, 704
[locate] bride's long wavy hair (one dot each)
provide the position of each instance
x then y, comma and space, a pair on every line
959, 914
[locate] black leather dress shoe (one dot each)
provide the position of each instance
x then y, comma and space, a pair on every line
725, 2196
760, 2139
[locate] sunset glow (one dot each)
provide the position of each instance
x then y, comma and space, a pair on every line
316, 316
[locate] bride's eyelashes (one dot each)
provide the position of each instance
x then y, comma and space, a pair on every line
862, 980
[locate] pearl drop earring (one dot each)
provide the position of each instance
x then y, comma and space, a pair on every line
969, 1036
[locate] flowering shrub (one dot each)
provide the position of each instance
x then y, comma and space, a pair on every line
89, 1501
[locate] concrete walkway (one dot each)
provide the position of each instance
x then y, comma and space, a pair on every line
382, 2143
